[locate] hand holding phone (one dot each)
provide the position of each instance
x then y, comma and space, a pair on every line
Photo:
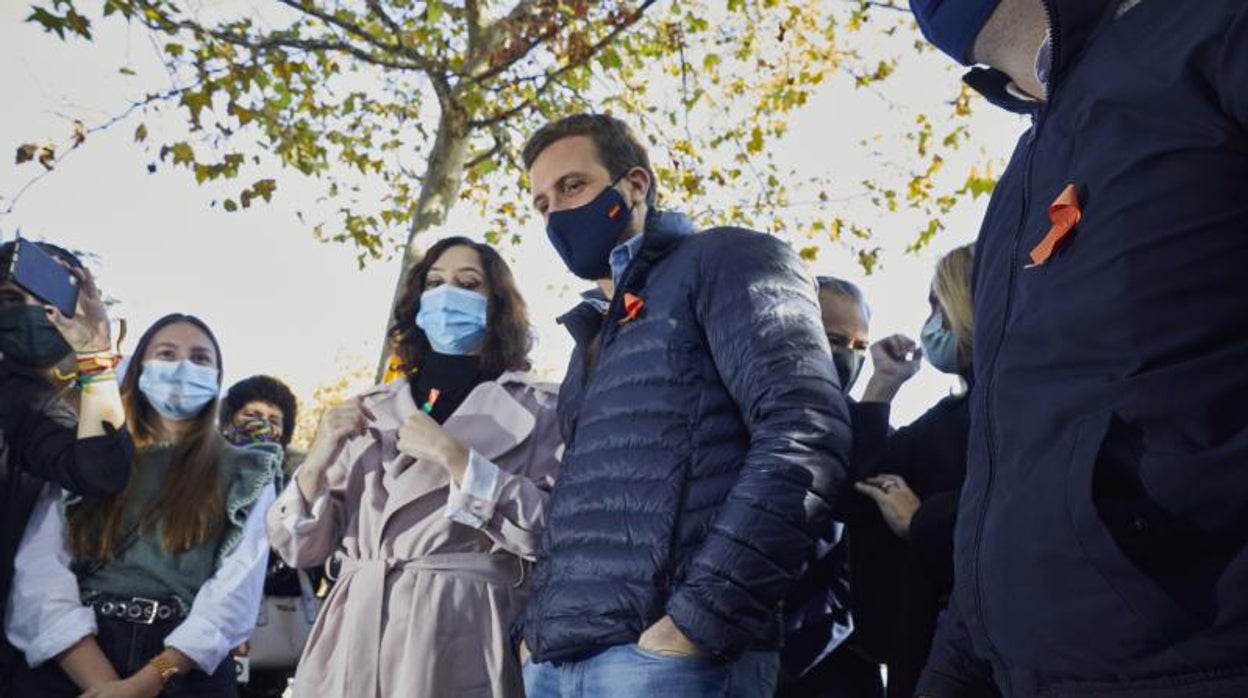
44, 277
71, 298
88, 331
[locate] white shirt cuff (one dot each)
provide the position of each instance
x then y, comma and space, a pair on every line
63, 634
201, 642
297, 515
471, 503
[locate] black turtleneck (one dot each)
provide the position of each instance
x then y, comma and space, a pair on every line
454, 377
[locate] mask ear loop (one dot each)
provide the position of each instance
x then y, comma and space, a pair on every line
631, 209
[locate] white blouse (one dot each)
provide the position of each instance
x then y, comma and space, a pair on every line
45, 616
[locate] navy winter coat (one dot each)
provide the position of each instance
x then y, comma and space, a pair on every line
704, 442
1102, 542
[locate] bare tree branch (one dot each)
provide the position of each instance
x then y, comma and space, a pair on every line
380, 12
105, 125
551, 78
485, 155
472, 8
349, 27
160, 22
523, 16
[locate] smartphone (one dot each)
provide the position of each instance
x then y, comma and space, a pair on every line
44, 277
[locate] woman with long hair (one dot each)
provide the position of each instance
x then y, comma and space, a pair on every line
427, 495
145, 592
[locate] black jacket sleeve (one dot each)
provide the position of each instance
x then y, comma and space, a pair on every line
762, 324
871, 437
48, 448
871, 431
931, 537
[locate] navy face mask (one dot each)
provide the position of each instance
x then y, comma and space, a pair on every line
584, 236
953, 25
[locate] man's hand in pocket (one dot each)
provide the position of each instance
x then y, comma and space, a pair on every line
665, 638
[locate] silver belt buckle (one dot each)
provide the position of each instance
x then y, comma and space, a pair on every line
135, 610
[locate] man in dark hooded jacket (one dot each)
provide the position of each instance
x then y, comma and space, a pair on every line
1102, 542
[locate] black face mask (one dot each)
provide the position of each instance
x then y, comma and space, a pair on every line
29, 338
848, 366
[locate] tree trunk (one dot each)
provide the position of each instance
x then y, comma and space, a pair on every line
444, 175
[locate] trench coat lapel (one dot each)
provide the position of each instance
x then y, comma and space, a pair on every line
490, 421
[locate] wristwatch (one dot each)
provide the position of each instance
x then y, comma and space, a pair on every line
165, 667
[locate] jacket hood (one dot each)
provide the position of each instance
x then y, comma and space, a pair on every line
1073, 24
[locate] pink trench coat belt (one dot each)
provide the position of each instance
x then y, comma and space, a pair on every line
371, 573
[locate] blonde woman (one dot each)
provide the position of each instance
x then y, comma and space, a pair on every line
902, 529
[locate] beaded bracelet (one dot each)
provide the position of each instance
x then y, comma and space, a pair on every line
85, 380
99, 362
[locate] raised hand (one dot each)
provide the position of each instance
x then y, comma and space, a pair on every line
87, 332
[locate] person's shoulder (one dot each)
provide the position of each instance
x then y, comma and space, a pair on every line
733, 236
730, 254
383, 395
18, 387
950, 409
732, 247
544, 394
255, 459
24, 395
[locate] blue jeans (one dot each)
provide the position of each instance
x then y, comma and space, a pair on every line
627, 671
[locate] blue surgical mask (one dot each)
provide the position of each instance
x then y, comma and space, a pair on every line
453, 319
178, 389
940, 345
584, 236
953, 25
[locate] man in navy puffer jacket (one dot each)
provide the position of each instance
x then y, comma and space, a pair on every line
1102, 539
705, 437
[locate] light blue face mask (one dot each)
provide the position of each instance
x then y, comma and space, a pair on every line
940, 345
178, 390
453, 319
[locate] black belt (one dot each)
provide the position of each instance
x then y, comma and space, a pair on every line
138, 609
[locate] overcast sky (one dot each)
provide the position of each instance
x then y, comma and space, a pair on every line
285, 304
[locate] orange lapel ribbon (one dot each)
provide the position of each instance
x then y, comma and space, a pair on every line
1065, 213
632, 307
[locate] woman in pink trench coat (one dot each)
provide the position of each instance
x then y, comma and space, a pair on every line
428, 495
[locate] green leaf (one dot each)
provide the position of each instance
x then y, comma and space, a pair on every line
182, 153
755, 146
51, 23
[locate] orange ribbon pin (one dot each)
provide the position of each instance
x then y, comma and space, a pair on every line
1065, 213
632, 307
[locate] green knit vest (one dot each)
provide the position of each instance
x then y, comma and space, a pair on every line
144, 568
